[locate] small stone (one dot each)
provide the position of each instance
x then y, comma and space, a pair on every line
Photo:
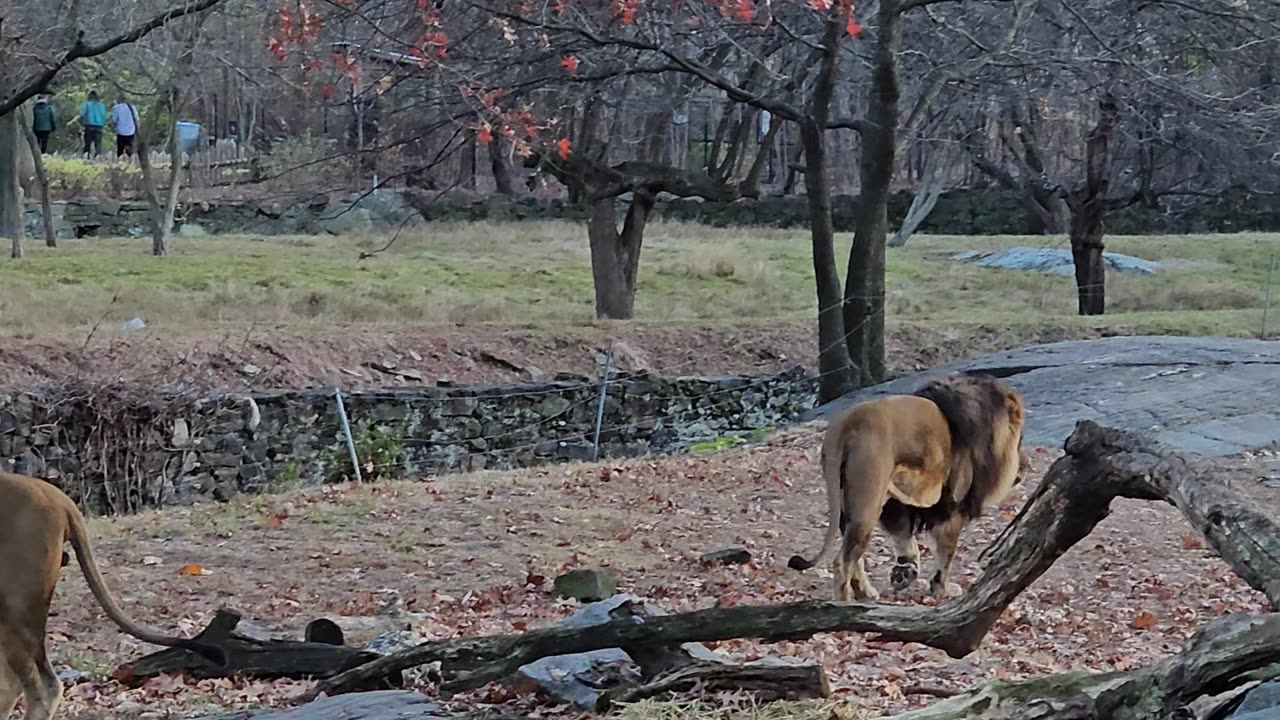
732, 555
189, 230
586, 585
134, 324
181, 433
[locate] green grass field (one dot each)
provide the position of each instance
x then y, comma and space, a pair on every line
538, 274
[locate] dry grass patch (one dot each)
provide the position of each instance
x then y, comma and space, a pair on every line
539, 273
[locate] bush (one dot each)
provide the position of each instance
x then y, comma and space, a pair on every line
300, 153
72, 176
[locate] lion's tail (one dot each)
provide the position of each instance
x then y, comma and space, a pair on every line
79, 539
833, 473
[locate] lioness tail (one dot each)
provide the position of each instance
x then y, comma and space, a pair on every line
79, 539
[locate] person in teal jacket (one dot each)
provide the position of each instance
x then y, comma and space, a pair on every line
93, 115
43, 121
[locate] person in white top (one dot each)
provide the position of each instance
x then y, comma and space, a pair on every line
125, 121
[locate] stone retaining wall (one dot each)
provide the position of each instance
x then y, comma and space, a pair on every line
181, 450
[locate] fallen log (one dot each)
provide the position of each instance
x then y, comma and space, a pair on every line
764, 682
242, 655
1225, 656
1100, 464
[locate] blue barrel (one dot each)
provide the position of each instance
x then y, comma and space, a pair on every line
188, 137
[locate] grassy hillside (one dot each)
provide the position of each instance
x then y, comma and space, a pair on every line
538, 273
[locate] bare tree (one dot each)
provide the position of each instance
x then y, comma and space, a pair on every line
33, 50
1153, 102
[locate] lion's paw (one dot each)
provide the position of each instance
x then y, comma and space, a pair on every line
868, 594
901, 576
950, 590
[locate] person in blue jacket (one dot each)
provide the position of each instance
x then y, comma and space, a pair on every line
93, 115
43, 122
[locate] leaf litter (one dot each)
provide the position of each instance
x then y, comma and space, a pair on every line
473, 554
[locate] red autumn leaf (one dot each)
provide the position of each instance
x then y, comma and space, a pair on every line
570, 63
275, 520
563, 147
852, 27
1144, 621
1191, 542
744, 10
484, 136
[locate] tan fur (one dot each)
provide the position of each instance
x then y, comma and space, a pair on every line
36, 519
929, 461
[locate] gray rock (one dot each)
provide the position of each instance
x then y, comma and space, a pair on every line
191, 230
733, 555
375, 705
1260, 703
1051, 260
347, 221
1206, 396
394, 641
134, 324
580, 679
586, 585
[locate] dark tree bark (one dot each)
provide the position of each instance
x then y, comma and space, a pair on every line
615, 254
1100, 465
837, 371
504, 175
12, 223
42, 179
467, 162
1088, 211
864, 282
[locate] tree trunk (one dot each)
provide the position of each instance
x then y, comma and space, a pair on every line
615, 255
12, 223
835, 371
162, 211
162, 233
1086, 255
42, 179
864, 283
1088, 211
925, 199
467, 163
504, 177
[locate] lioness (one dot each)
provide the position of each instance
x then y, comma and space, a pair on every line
36, 519
928, 461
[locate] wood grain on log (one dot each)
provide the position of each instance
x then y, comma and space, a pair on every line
257, 658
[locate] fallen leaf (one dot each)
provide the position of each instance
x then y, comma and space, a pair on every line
193, 569
1144, 621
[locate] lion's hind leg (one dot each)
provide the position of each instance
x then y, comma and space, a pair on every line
32, 573
10, 689
896, 521
946, 537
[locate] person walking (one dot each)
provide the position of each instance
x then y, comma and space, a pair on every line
93, 115
43, 122
125, 121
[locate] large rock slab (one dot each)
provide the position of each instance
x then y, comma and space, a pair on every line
1207, 396
1057, 261
378, 705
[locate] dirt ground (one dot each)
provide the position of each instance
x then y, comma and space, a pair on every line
475, 553
298, 357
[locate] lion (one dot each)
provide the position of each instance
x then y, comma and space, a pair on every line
927, 461
36, 519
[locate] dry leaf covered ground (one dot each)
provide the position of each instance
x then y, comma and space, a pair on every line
473, 554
